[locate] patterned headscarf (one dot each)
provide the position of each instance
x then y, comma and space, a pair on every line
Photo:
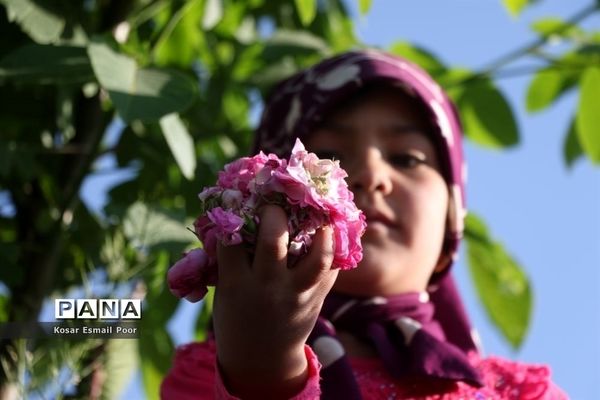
443, 336
299, 104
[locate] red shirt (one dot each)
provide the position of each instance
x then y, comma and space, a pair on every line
194, 375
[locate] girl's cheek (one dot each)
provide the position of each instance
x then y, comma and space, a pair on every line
432, 200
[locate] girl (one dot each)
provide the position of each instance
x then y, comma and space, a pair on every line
395, 326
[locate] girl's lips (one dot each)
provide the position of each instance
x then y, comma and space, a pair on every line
380, 218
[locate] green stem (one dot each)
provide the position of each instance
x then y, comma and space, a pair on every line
524, 71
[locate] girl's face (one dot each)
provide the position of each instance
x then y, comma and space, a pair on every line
394, 172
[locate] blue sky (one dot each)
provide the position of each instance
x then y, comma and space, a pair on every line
546, 215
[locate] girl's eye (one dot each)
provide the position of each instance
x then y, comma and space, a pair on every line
407, 160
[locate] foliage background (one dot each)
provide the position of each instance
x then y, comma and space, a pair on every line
186, 79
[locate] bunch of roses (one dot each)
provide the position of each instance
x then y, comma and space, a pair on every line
312, 191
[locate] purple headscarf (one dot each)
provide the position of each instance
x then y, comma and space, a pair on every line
413, 335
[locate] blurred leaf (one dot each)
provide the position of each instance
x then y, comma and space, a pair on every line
588, 116
364, 6
555, 26
225, 52
546, 86
62, 64
419, 56
337, 26
487, 116
236, 107
233, 20
155, 345
156, 351
501, 284
248, 62
213, 12
38, 22
180, 46
113, 255
181, 144
11, 274
139, 93
477, 229
307, 9
452, 80
50, 356
4, 307
572, 148
246, 32
515, 7
121, 361
151, 377
205, 316
147, 226
274, 73
285, 43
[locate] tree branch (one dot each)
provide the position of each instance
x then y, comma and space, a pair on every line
529, 48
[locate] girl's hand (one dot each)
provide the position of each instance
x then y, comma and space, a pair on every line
265, 310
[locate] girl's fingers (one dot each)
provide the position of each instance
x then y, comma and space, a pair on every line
233, 264
270, 259
315, 267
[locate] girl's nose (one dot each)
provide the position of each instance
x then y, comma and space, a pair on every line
369, 173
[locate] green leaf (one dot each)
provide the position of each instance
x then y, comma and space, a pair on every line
338, 27
213, 13
572, 148
290, 40
515, 7
38, 22
62, 64
151, 376
236, 108
476, 227
307, 9
285, 44
156, 348
452, 80
156, 351
419, 56
5, 305
205, 316
500, 282
181, 144
487, 116
232, 20
12, 275
364, 6
547, 86
274, 73
552, 26
139, 93
588, 116
246, 31
121, 361
147, 226
180, 45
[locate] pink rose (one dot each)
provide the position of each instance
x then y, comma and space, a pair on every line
312, 191
228, 225
189, 276
232, 198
